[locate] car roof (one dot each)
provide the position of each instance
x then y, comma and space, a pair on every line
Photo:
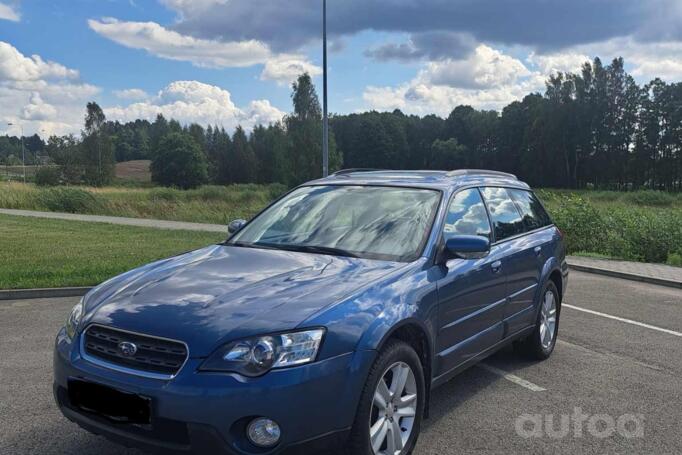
441, 180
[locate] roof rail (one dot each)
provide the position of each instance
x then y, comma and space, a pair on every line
351, 170
462, 172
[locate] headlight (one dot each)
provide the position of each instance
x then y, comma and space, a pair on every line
74, 320
256, 356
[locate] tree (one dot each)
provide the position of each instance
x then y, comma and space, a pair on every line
448, 155
96, 148
179, 162
304, 128
65, 152
243, 159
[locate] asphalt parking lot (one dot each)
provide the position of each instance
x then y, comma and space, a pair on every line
613, 385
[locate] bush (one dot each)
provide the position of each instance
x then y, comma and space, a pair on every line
675, 259
48, 176
71, 200
617, 230
650, 198
581, 223
180, 162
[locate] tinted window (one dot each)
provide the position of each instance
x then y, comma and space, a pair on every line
467, 215
534, 215
506, 218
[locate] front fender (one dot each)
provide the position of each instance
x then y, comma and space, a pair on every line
366, 320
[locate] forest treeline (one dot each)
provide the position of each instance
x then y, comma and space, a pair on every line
594, 128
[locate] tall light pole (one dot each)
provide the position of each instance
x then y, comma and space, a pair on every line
325, 119
23, 153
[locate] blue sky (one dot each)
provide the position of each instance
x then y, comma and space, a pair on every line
231, 62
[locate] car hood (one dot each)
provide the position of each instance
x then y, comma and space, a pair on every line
221, 293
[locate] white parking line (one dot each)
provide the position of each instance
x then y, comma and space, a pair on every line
627, 321
512, 378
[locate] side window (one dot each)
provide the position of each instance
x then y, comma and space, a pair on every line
467, 215
534, 215
507, 221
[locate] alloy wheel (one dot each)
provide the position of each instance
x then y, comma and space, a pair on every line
548, 320
394, 408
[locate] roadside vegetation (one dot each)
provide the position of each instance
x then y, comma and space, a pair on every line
641, 226
54, 253
637, 226
208, 204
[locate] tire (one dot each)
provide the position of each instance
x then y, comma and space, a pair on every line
391, 362
536, 346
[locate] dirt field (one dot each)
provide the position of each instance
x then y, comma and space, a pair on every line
134, 170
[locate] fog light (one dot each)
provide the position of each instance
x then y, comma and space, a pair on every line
263, 432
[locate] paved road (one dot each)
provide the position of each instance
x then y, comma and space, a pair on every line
142, 222
609, 368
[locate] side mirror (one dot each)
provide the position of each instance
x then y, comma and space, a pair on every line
460, 245
235, 226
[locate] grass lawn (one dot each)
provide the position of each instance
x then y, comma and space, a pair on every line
54, 253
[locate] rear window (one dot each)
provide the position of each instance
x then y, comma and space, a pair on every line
532, 211
507, 221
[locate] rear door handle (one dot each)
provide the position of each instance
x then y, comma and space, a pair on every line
537, 250
496, 266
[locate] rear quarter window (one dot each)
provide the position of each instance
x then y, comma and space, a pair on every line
507, 221
532, 211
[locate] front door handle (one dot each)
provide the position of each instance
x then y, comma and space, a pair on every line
537, 250
496, 266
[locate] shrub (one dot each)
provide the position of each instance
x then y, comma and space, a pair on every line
71, 200
650, 198
581, 223
675, 259
48, 176
275, 190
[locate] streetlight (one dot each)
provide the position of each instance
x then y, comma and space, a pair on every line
23, 154
325, 119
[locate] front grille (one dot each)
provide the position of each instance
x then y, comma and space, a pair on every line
154, 355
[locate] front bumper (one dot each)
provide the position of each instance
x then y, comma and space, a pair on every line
196, 412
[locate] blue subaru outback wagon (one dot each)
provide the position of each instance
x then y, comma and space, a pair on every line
323, 322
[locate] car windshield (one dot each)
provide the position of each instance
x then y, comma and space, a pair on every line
374, 222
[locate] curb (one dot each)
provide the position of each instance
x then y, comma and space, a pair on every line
43, 293
627, 276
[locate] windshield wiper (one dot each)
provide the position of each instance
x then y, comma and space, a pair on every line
322, 250
264, 246
299, 248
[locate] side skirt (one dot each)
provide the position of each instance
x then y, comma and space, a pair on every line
445, 377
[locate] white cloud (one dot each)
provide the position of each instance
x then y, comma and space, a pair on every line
37, 109
484, 68
487, 79
285, 69
564, 62
131, 94
40, 96
169, 44
8, 13
196, 102
15, 66
644, 60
